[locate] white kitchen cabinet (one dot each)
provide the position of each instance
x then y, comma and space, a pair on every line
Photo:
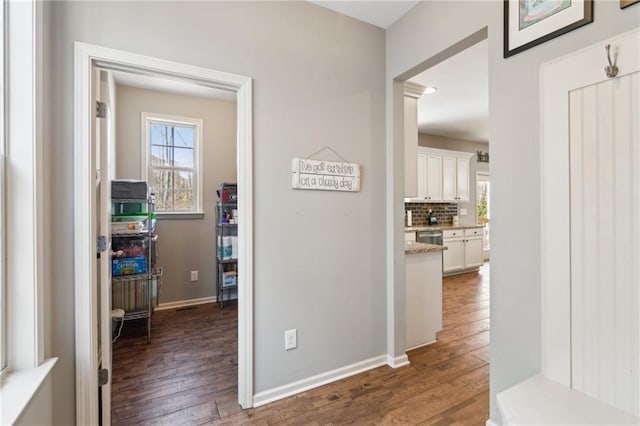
462, 179
464, 250
473, 252
434, 177
443, 176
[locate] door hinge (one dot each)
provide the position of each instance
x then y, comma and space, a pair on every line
103, 377
101, 244
101, 109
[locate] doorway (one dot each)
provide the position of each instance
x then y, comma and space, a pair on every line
88, 59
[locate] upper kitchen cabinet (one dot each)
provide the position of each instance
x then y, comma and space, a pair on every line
443, 176
455, 179
411, 181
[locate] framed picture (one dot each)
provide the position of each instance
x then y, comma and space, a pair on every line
528, 23
627, 3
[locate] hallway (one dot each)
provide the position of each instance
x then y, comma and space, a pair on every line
187, 374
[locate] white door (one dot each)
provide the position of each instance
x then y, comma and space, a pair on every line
591, 223
103, 220
434, 177
449, 185
462, 179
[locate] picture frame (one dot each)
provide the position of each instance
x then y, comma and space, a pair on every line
627, 3
528, 23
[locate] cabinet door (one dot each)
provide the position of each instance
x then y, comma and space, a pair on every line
462, 179
422, 175
449, 186
434, 177
473, 252
453, 257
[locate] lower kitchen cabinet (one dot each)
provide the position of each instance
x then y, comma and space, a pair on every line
464, 250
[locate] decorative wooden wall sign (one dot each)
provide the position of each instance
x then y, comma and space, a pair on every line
325, 175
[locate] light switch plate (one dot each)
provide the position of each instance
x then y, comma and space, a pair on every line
463, 212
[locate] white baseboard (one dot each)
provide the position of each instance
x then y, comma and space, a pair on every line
491, 423
422, 345
183, 303
399, 361
271, 395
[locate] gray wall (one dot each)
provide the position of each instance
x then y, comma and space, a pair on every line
442, 142
514, 131
188, 244
318, 80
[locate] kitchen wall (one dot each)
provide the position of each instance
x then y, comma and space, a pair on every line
514, 132
441, 142
318, 80
184, 244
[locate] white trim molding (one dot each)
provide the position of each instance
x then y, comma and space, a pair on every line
397, 362
271, 395
185, 303
88, 57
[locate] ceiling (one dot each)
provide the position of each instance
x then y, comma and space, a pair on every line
459, 109
180, 87
379, 13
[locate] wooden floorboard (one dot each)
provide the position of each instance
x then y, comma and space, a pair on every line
187, 375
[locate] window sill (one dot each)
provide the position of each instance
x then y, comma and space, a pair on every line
18, 388
180, 216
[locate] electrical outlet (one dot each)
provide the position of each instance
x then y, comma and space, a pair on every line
463, 212
194, 275
290, 339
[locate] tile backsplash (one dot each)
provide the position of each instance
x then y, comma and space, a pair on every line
420, 212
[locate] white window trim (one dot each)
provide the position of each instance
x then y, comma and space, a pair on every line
145, 119
3, 110
24, 215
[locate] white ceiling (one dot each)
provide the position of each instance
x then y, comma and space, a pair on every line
175, 86
459, 109
379, 13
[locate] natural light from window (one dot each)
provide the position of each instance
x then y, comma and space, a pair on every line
173, 163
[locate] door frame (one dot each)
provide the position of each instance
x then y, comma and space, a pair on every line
86, 57
557, 78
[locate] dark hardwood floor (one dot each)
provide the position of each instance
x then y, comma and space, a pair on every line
187, 374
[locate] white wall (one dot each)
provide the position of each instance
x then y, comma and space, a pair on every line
441, 142
184, 244
318, 80
514, 125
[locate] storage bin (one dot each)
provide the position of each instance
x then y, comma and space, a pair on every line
229, 279
125, 189
130, 246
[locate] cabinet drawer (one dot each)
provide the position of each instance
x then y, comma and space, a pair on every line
452, 233
410, 236
473, 232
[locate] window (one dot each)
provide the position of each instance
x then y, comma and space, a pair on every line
483, 210
172, 159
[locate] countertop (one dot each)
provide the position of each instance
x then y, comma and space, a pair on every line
412, 247
440, 227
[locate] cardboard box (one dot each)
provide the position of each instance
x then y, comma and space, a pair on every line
128, 266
